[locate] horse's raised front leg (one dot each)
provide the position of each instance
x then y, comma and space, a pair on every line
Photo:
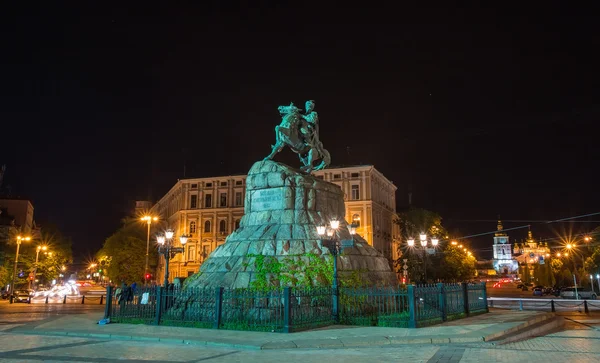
274, 150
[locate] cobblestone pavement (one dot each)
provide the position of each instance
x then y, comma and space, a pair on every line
32, 348
578, 342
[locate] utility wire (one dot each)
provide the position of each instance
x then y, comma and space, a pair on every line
527, 226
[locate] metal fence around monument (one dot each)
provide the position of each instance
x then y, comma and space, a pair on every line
295, 308
375, 306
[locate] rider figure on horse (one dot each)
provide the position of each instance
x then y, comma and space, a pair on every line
301, 134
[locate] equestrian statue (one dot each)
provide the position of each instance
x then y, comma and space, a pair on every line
300, 132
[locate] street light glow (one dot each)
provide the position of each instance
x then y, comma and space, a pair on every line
321, 230
352, 228
434, 242
411, 242
183, 240
160, 240
169, 233
335, 224
423, 237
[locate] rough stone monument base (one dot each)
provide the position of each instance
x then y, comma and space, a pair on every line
283, 208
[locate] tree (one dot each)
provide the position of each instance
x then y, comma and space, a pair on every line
58, 254
453, 264
124, 253
4, 276
449, 263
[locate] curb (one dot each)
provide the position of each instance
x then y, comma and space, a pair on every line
538, 324
334, 343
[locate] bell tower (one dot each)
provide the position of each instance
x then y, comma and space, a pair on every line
503, 261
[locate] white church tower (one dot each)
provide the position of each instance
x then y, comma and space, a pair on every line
503, 261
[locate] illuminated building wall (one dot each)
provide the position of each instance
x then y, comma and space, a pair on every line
209, 209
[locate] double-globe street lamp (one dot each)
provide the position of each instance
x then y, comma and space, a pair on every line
424, 241
12, 285
148, 220
334, 245
166, 248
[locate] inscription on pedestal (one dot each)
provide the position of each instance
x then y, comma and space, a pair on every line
267, 199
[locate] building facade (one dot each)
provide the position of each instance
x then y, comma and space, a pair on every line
504, 264
19, 213
530, 255
209, 209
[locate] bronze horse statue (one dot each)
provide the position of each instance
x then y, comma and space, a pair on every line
299, 136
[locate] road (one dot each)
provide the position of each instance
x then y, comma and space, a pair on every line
509, 289
577, 343
22, 313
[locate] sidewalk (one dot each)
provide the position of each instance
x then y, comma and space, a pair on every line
480, 328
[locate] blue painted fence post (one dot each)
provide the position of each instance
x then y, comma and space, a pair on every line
465, 291
287, 309
218, 307
487, 308
108, 305
442, 301
412, 308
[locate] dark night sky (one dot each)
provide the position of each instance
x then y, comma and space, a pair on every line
477, 111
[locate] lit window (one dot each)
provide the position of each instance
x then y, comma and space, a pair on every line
191, 253
355, 192
192, 227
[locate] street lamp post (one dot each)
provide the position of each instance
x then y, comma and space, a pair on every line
148, 220
166, 248
569, 248
333, 244
12, 285
425, 251
37, 255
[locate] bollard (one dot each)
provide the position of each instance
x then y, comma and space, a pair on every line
520, 305
46, 299
65, 299
83, 299
585, 307
552, 305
